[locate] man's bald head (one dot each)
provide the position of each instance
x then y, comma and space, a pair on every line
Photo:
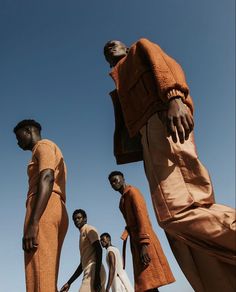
114, 51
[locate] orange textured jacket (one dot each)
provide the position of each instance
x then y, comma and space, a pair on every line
158, 272
145, 80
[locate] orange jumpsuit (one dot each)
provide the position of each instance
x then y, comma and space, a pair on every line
41, 266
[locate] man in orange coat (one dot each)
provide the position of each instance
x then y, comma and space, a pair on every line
151, 269
152, 101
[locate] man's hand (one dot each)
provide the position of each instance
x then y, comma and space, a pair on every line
145, 259
178, 118
65, 288
97, 284
30, 239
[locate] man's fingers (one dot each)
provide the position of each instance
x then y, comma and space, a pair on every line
29, 244
26, 244
146, 259
179, 129
35, 243
190, 122
186, 128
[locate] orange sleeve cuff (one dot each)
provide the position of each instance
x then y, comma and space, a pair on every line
174, 93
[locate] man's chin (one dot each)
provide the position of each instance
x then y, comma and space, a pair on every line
23, 148
116, 189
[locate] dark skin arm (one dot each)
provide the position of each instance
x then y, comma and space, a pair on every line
45, 186
178, 120
76, 274
112, 264
97, 280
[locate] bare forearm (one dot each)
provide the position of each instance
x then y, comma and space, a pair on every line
110, 277
76, 274
112, 265
98, 261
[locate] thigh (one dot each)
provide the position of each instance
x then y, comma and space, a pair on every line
41, 266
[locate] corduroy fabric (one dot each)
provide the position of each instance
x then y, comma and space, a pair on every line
201, 233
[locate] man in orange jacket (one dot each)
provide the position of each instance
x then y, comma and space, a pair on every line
152, 100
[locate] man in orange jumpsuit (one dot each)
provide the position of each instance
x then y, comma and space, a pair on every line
151, 269
46, 219
152, 100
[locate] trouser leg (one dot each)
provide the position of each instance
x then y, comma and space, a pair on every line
183, 201
41, 266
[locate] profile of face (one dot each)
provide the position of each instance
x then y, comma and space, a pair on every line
104, 240
114, 51
79, 220
117, 182
24, 138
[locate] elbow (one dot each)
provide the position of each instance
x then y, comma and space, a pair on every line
47, 177
51, 179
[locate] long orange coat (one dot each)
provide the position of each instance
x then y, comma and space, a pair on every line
158, 272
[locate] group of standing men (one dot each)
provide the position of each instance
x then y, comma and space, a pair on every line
154, 123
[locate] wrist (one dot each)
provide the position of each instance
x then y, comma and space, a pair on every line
174, 98
34, 221
173, 94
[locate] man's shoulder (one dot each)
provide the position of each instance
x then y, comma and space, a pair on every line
132, 189
133, 192
143, 42
113, 248
42, 146
45, 142
89, 227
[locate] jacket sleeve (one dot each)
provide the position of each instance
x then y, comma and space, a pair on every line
168, 74
141, 216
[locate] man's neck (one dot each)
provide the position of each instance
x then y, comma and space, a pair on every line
82, 227
35, 140
122, 189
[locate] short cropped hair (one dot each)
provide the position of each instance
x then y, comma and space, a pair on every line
79, 211
25, 123
113, 173
106, 235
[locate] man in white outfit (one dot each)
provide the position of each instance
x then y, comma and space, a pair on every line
118, 280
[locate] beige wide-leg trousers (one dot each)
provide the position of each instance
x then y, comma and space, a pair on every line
88, 278
41, 266
201, 233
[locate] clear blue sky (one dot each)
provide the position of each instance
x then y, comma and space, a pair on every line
53, 70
